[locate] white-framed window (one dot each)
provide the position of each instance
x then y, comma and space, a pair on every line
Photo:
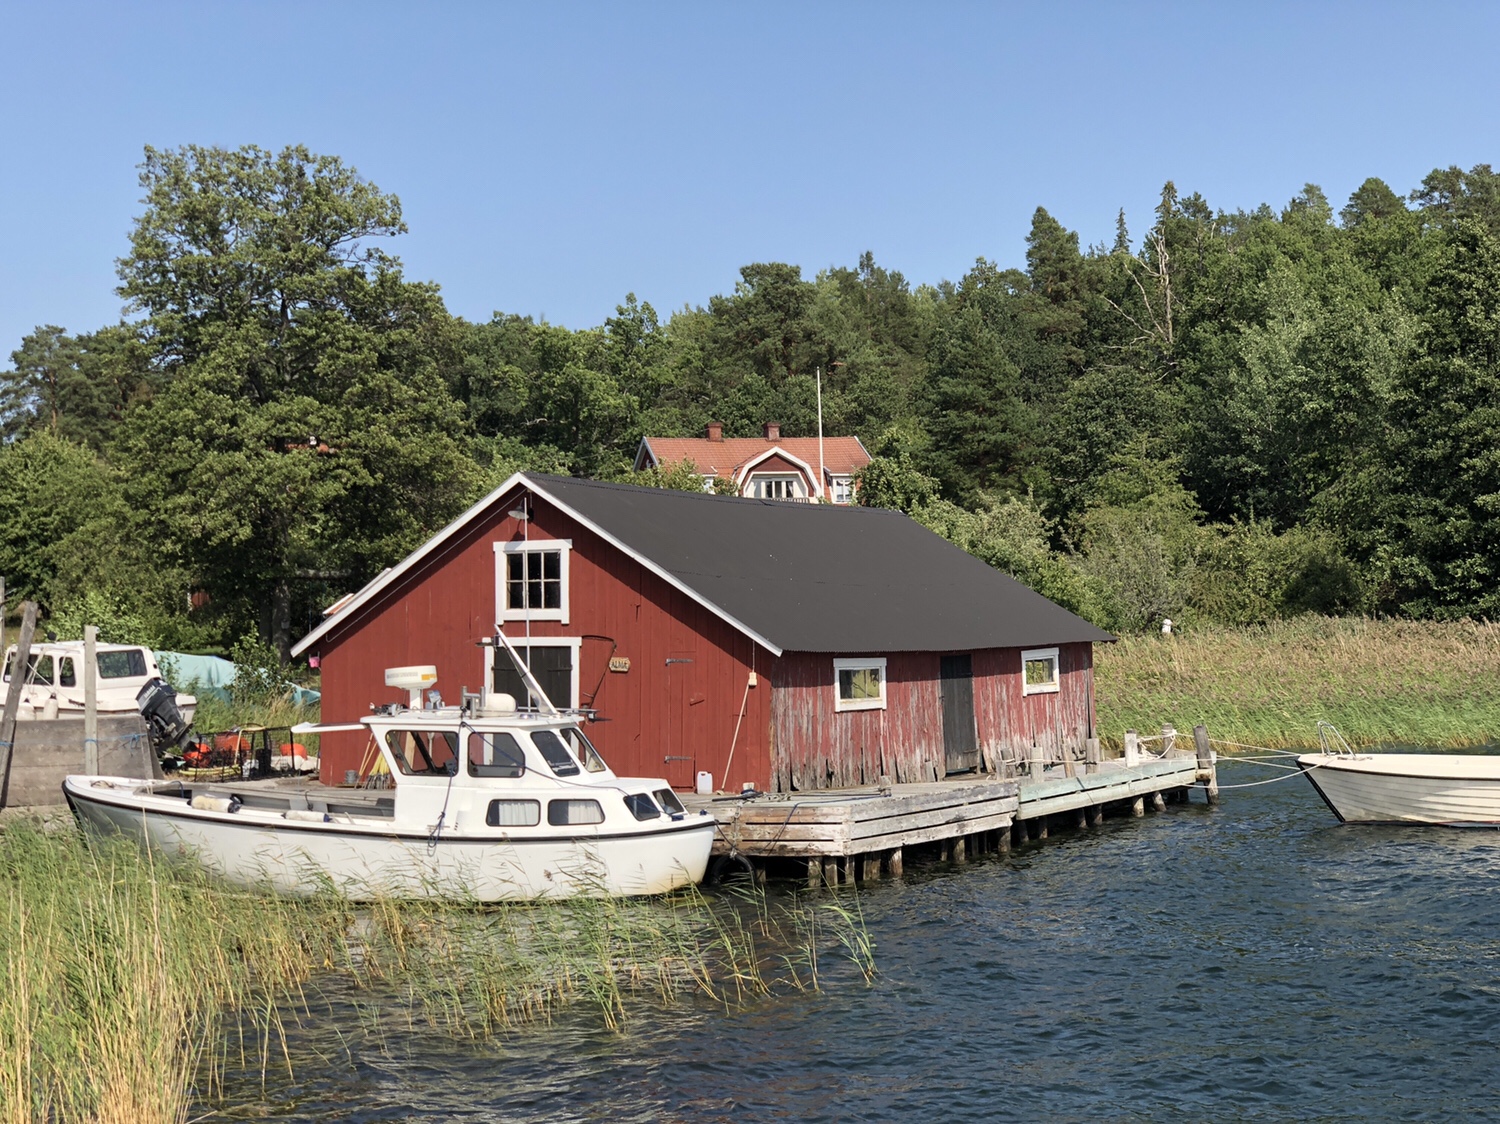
531, 580
1040, 671
764, 486
841, 489
859, 684
708, 481
553, 661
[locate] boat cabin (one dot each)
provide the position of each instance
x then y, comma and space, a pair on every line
53, 683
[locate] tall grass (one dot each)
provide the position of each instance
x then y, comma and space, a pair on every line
131, 983
1381, 682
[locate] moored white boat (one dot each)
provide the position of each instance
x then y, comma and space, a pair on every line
53, 686
1450, 789
487, 804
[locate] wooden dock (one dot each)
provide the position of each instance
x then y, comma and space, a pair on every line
843, 835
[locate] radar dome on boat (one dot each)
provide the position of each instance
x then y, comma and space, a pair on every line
414, 678
497, 705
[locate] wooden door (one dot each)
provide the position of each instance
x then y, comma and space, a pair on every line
960, 741
551, 664
679, 754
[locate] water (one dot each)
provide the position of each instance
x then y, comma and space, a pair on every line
1253, 962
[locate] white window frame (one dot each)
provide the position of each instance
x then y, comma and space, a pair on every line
503, 551
862, 663
573, 642
841, 489
796, 486
1048, 688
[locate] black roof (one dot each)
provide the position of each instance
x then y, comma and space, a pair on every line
823, 578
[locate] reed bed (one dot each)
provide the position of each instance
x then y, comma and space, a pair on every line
1381, 682
132, 984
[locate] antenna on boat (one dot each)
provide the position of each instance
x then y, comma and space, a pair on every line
500, 640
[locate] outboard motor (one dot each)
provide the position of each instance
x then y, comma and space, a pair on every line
157, 703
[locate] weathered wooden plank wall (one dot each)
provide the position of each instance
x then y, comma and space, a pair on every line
815, 746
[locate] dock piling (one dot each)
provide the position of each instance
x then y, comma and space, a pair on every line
1207, 774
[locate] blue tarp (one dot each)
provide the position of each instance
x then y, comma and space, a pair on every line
210, 675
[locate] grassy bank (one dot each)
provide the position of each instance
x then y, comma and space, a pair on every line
1379, 682
131, 984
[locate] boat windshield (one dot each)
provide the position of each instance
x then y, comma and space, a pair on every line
130, 663
583, 750
555, 753
40, 668
423, 752
495, 755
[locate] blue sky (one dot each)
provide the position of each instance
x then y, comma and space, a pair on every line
552, 157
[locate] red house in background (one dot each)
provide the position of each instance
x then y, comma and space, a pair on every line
768, 467
792, 646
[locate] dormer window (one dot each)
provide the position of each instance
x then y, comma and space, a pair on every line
779, 487
531, 580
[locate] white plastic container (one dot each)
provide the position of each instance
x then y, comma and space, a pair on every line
705, 785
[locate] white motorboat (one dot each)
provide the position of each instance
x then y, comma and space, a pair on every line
53, 685
1450, 789
487, 803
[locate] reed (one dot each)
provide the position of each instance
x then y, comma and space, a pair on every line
1381, 682
131, 983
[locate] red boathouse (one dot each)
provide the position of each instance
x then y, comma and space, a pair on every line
790, 646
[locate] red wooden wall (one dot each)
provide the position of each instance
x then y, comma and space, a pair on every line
436, 614
816, 746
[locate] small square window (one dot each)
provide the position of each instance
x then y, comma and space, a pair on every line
532, 580
1040, 672
859, 684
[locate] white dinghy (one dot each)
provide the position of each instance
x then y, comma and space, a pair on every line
1446, 789
489, 803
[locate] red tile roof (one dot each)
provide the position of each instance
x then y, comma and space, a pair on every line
841, 455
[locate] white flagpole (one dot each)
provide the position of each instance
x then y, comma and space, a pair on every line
822, 474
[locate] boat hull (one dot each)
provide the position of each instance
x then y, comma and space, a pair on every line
365, 860
1451, 790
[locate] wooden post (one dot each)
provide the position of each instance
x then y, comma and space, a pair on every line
894, 863
1132, 749
814, 873
1138, 807
960, 850
1041, 827
1083, 819
1158, 802
13, 696
90, 701
2, 618
1091, 755
1096, 815
1207, 774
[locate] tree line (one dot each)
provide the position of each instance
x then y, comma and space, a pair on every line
1238, 416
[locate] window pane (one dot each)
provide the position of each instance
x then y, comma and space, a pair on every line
514, 813
552, 565
567, 813
857, 683
1041, 671
558, 759
423, 753
668, 800
495, 755
42, 669
67, 678
121, 665
641, 806
515, 588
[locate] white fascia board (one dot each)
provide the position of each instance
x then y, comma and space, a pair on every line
410, 562
364, 596
776, 450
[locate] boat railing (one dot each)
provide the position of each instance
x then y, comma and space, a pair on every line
1331, 742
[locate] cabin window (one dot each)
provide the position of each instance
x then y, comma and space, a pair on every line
127, 664
421, 753
1039, 671
641, 806
583, 749
40, 668
668, 800
532, 580
496, 755
775, 487
571, 813
514, 813
859, 684
555, 753
65, 674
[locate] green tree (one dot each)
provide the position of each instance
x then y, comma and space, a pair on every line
305, 434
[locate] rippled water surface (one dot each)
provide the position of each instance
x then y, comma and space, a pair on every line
1249, 962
